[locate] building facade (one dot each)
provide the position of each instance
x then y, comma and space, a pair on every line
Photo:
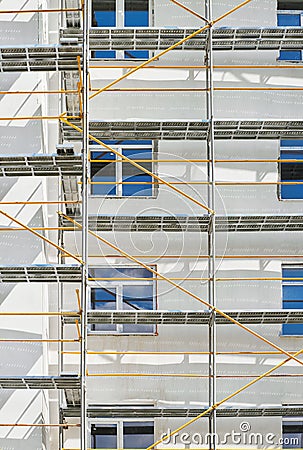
167, 271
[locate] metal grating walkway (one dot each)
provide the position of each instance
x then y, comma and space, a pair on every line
41, 382
190, 130
151, 412
276, 38
43, 273
188, 317
40, 165
235, 223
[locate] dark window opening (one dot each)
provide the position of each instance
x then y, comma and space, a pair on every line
290, 5
129, 435
138, 434
103, 13
104, 436
291, 171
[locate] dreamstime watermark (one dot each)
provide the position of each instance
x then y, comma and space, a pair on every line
241, 436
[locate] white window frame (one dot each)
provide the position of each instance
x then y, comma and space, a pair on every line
119, 423
119, 170
118, 285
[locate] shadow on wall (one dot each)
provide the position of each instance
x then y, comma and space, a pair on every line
33, 440
25, 356
19, 33
19, 248
22, 139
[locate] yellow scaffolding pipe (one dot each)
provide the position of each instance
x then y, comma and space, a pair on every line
224, 400
138, 166
48, 241
182, 289
172, 47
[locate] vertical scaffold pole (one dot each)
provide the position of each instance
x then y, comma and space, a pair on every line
85, 178
212, 226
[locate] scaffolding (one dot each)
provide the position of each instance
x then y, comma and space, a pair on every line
71, 59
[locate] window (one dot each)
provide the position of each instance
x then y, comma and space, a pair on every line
290, 14
120, 13
106, 167
122, 434
118, 291
292, 433
291, 171
292, 296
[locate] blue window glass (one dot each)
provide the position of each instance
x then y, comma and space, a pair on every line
132, 174
122, 289
136, 54
103, 299
104, 436
104, 13
290, 55
134, 435
120, 272
138, 434
292, 297
289, 20
136, 13
138, 298
140, 184
102, 172
291, 171
104, 54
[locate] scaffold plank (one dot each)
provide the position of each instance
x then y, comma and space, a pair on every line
231, 223
275, 38
95, 411
40, 165
188, 317
41, 273
190, 130
40, 382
